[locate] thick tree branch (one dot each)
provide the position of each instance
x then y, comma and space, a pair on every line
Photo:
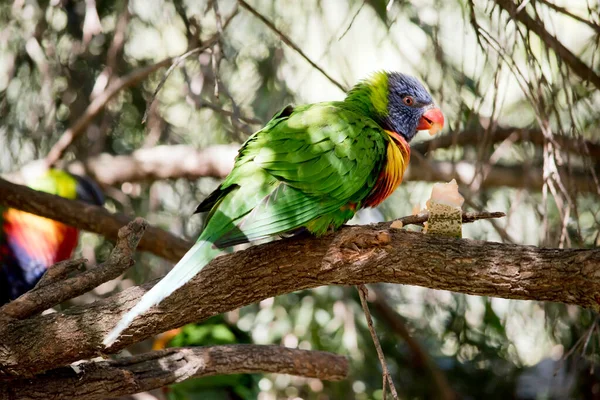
354, 255
290, 43
99, 379
49, 294
90, 218
180, 161
99, 220
579, 67
162, 162
578, 179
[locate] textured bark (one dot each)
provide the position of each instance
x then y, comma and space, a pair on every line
97, 379
352, 256
99, 220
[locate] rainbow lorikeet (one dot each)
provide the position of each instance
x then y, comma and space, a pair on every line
310, 168
29, 244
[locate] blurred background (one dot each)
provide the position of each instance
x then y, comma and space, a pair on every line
518, 83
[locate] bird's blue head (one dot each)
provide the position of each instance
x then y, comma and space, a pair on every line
410, 107
399, 103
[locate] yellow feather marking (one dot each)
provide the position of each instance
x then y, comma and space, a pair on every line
379, 94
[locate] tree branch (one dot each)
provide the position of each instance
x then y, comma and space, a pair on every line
467, 216
579, 67
49, 294
97, 105
100, 379
90, 218
59, 271
577, 179
155, 240
352, 256
171, 162
162, 162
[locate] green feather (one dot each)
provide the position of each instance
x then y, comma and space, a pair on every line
309, 167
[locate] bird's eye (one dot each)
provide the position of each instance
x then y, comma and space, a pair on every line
409, 101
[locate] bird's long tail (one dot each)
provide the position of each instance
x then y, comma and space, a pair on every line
191, 263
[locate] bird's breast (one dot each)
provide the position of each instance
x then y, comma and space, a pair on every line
390, 176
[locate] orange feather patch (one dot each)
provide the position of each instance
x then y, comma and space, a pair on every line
390, 177
43, 239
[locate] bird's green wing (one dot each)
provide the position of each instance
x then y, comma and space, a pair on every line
307, 163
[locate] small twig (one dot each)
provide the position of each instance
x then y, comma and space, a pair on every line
46, 296
200, 103
467, 217
217, 53
564, 11
394, 321
59, 271
352, 20
289, 42
363, 293
216, 38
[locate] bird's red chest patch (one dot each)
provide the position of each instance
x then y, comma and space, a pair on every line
390, 177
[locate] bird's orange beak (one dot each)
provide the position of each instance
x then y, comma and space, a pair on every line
432, 121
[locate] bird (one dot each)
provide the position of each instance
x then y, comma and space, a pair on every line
310, 168
30, 244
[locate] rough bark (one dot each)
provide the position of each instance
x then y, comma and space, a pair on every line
352, 256
95, 379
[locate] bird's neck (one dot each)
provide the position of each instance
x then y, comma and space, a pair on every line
370, 97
